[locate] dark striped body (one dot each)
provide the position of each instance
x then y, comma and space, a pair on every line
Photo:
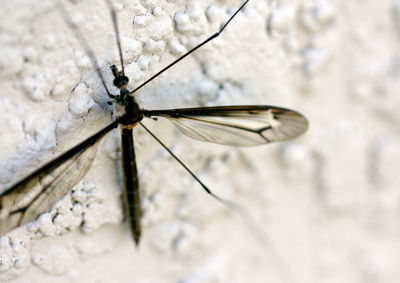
131, 193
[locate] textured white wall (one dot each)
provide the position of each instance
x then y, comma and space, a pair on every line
326, 204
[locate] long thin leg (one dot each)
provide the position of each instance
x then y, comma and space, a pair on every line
252, 225
179, 161
192, 50
116, 30
83, 43
131, 194
228, 203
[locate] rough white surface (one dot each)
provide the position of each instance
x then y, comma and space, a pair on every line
326, 205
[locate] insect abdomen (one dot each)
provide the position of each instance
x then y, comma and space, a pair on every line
131, 193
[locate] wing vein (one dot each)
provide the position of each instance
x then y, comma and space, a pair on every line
236, 125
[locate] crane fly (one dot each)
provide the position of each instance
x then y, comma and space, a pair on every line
228, 125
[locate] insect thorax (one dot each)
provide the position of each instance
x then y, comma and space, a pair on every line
125, 104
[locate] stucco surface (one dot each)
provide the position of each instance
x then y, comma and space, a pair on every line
323, 208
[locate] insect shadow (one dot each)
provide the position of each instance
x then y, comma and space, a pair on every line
249, 125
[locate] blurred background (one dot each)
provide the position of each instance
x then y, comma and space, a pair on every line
321, 208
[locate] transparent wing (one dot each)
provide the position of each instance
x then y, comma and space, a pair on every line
38, 192
236, 125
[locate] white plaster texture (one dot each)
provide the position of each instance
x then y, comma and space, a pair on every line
326, 205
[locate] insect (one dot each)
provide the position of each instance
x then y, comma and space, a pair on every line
229, 125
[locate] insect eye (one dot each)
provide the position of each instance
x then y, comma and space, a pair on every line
120, 81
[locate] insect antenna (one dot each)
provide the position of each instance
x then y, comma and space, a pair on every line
83, 42
215, 35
